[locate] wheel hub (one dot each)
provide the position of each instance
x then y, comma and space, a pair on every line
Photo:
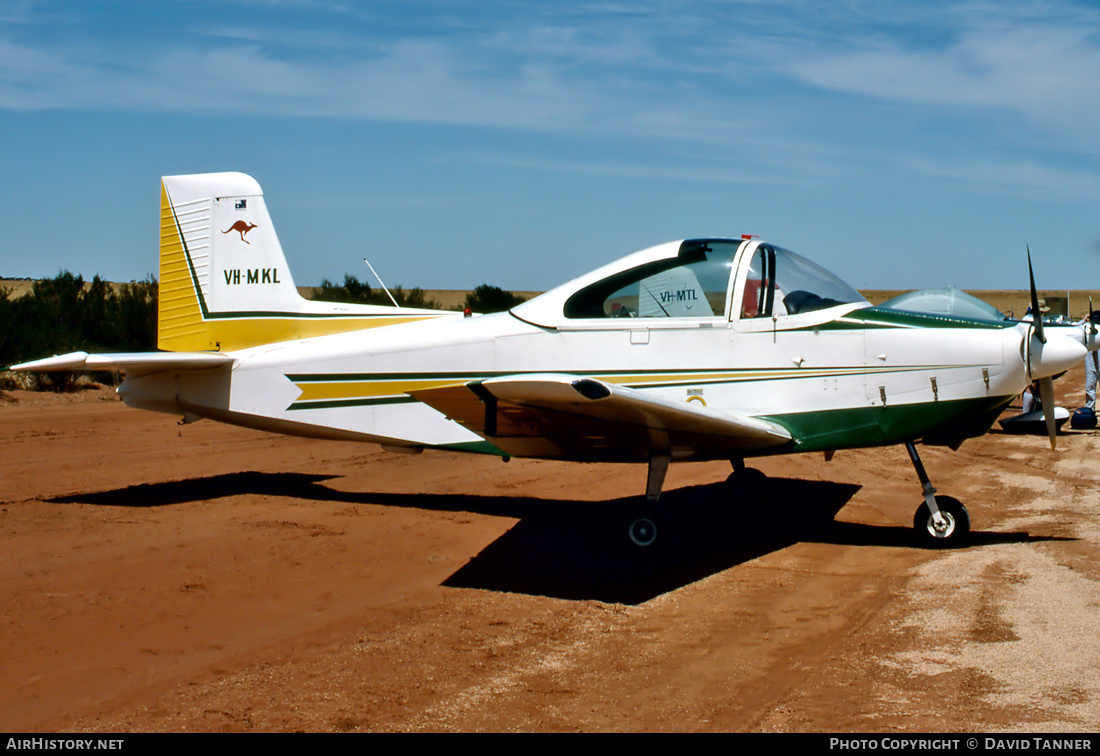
941, 526
643, 532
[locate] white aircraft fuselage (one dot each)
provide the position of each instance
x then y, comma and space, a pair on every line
845, 376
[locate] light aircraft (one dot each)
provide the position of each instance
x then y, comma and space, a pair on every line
704, 349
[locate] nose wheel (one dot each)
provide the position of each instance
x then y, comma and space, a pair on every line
951, 528
941, 521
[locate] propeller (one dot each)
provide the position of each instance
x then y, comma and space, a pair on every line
1046, 384
1036, 316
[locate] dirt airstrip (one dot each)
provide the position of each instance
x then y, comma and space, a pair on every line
209, 578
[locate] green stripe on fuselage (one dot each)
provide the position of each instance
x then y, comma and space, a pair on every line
877, 317
935, 422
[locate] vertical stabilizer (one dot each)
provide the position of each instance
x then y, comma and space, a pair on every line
224, 281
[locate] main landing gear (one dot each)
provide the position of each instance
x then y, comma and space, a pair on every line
643, 530
941, 522
745, 482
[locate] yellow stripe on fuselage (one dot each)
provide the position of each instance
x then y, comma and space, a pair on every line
327, 391
324, 389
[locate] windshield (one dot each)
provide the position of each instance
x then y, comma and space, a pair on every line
781, 283
945, 301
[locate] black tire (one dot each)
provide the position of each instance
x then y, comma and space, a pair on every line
957, 532
746, 483
642, 532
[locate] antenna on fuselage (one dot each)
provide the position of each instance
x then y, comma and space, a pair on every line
379, 279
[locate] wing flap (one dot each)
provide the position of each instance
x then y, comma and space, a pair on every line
571, 417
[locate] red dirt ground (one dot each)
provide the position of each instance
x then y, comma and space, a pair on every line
209, 578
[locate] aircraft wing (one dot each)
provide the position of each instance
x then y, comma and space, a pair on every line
134, 363
570, 417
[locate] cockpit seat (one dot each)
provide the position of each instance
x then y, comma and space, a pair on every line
804, 301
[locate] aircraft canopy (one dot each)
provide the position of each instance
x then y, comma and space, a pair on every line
693, 279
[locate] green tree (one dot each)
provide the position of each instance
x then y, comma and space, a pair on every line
63, 314
354, 291
487, 298
136, 316
7, 328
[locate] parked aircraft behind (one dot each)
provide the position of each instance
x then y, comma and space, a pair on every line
701, 349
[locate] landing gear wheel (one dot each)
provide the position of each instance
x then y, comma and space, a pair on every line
953, 532
643, 532
746, 482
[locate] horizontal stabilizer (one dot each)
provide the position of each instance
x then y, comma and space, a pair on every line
572, 417
134, 363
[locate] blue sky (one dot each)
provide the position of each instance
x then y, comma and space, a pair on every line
900, 144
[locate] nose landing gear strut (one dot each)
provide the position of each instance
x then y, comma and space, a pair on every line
941, 522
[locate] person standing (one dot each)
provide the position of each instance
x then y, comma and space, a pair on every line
1092, 368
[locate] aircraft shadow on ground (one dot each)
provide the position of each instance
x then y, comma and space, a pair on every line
580, 550
198, 489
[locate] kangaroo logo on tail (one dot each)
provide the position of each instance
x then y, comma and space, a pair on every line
242, 228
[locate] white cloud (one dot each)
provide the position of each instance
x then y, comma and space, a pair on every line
1048, 74
790, 84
